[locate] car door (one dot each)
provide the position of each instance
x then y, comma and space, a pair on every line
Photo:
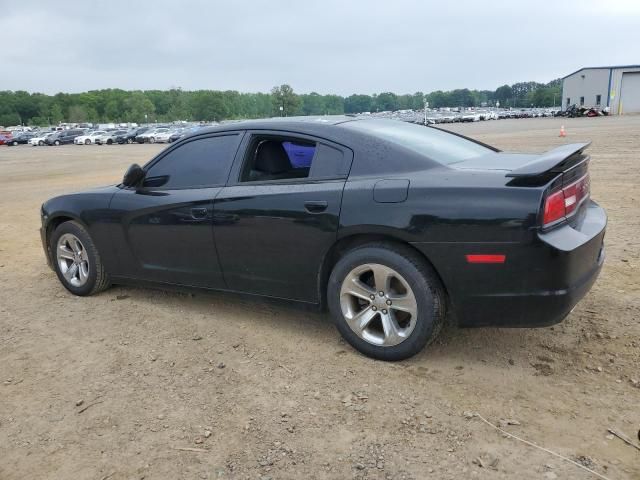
164, 227
274, 224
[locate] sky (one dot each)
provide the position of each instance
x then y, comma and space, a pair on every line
326, 46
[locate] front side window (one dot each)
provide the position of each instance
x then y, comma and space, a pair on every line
199, 163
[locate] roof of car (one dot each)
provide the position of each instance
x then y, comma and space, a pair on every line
282, 123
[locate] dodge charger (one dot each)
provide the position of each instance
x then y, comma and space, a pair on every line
391, 226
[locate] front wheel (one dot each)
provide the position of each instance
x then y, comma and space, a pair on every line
57, 143
76, 260
386, 300
152, 140
87, 142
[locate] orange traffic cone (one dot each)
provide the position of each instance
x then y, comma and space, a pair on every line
562, 132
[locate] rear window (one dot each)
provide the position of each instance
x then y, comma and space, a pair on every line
434, 144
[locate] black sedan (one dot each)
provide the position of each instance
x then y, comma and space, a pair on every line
130, 135
21, 138
390, 225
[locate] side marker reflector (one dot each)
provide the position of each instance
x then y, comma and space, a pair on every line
486, 258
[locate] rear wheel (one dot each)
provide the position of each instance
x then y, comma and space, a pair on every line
387, 301
76, 260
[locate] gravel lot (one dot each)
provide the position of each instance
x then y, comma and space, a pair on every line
114, 386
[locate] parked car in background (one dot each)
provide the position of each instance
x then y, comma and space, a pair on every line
109, 137
181, 132
161, 137
150, 135
5, 137
89, 138
40, 138
388, 223
21, 138
64, 137
177, 134
130, 135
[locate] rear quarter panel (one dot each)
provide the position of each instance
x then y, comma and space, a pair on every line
448, 214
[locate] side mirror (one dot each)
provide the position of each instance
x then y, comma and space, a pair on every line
133, 175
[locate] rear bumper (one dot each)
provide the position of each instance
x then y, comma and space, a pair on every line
539, 283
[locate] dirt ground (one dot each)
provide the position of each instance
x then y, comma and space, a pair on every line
114, 386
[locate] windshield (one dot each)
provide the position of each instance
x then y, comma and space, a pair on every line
435, 144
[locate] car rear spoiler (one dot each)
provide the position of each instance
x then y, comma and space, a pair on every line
557, 160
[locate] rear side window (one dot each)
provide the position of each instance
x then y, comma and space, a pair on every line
437, 145
199, 163
272, 158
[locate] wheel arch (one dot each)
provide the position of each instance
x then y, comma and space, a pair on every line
54, 222
350, 242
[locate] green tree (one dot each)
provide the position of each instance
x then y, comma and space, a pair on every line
138, 108
333, 104
209, 105
312, 104
504, 95
358, 103
387, 101
55, 114
284, 96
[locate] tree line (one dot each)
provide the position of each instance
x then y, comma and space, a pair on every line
115, 105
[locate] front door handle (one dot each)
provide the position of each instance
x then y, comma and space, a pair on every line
315, 206
198, 213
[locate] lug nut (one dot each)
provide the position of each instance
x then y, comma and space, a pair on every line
388, 302
372, 297
374, 308
381, 293
384, 311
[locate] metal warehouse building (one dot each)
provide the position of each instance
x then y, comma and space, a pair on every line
616, 87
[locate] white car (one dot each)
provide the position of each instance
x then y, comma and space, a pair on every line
163, 137
89, 138
152, 135
109, 137
39, 140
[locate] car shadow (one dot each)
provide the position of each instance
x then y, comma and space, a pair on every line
505, 346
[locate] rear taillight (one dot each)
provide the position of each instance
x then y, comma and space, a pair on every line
566, 201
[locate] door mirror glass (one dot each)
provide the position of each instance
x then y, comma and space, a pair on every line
133, 175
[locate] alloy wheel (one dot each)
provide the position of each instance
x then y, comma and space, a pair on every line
378, 305
73, 260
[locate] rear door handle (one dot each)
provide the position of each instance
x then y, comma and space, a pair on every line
199, 213
315, 206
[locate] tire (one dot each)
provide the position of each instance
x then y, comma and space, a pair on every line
15, 144
40, 143
57, 143
95, 278
129, 140
87, 142
152, 140
109, 142
409, 281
